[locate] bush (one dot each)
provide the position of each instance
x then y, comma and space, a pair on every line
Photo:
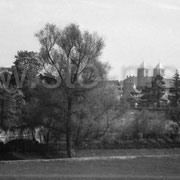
147, 124
21, 145
171, 129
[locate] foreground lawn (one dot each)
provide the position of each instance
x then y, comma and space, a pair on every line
127, 152
137, 168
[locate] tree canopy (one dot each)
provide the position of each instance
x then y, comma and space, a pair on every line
72, 56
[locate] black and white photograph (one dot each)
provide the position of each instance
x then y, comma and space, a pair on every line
90, 89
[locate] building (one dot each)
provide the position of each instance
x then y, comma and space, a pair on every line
133, 85
143, 78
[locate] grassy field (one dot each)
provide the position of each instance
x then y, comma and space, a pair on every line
127, 152
163, 168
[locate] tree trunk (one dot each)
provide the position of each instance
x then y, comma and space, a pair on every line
47, 137
77, 138
33, 136
68, 128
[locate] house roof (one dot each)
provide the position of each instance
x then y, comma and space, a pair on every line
165, 97
132, 89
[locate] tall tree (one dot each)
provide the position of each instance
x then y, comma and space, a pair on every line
26, 68
152, 96
158, 89
175, 90
73, 56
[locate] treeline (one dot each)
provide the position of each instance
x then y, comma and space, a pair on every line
61, 91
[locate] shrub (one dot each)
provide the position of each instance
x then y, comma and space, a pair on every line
171, 129
146, 124
21, 145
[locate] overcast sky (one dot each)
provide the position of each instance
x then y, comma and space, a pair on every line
134, 30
